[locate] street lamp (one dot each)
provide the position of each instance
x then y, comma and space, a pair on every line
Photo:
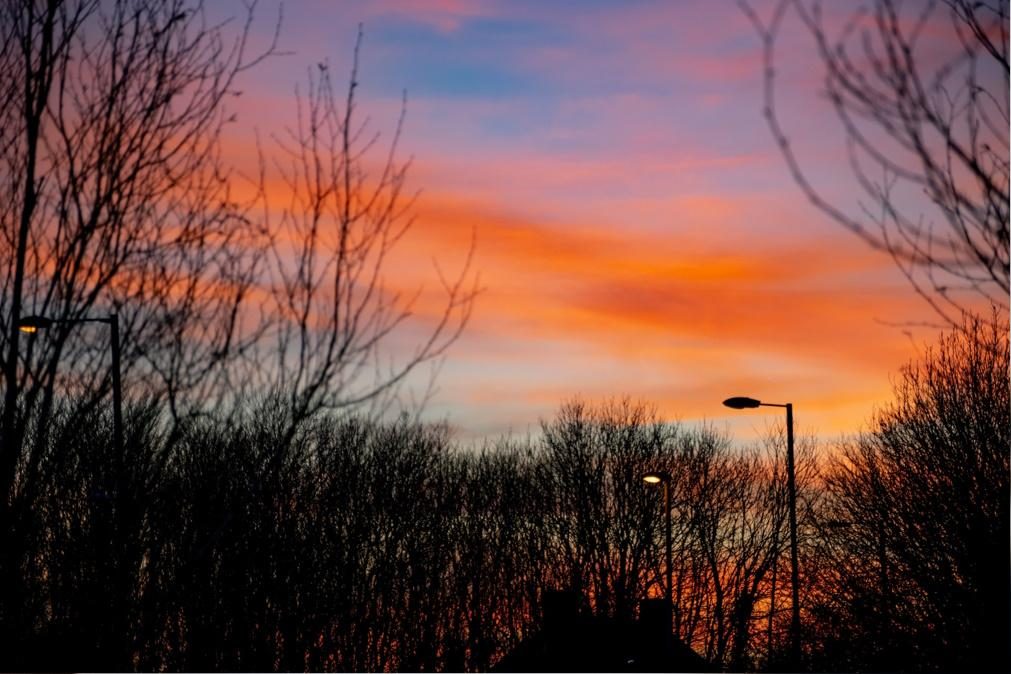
743, 403
654, 478
32, 324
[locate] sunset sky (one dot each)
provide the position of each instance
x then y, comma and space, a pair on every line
637, 230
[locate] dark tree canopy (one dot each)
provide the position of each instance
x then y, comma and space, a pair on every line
120, 201
919, 509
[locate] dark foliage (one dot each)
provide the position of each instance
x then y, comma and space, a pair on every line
358, 545
916, 518
380, 546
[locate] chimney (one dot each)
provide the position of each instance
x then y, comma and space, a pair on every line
655, 620
561, 613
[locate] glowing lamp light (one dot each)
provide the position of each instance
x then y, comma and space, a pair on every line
32, 324
653, 477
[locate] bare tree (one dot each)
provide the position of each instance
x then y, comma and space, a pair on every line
118, 203
918, 513
734, 504
602, 522
121, 203
921, 92
345, 208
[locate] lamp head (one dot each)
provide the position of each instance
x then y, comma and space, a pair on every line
31, 324
741, 403
656, 477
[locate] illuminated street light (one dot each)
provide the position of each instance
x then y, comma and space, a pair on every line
32, 324
654, 478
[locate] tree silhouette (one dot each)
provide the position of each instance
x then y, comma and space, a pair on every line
921, 93
121, 202
345, 208
117, 203
918, 509
374, 546
603, 522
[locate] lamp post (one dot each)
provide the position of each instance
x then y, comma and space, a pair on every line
742, 403
32, 324
653, 478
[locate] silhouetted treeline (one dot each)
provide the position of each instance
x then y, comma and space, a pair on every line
914, 536
364, 545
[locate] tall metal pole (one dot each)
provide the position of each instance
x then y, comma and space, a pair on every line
119, 646
670, 585
115, 488
744, 403
791, 485
772, 600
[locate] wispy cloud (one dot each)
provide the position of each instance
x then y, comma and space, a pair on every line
636, 230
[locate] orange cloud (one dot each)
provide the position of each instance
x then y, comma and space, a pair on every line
671, 316
636, 232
